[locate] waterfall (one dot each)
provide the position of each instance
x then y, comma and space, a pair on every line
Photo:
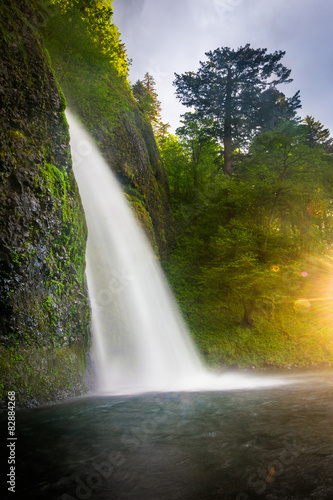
140, 341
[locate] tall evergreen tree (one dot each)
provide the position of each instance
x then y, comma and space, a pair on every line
275, 107
315, 132
162, 132
145, 93
228, 88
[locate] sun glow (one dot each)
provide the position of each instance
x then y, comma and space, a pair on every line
315, 303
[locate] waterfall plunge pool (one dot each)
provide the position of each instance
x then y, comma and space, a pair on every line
266, 443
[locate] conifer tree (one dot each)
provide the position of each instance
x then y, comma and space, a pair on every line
162, 132
275, 107
315, 132
228, 88
145, 93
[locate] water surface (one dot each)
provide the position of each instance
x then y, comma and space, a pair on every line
266, 443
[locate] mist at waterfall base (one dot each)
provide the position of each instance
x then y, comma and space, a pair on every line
140, 340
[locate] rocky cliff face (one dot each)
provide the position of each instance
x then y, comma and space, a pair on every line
44, 318
129, 146
100, 96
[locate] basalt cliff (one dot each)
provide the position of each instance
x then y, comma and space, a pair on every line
45, 315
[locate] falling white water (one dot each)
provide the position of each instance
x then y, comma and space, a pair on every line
140, 340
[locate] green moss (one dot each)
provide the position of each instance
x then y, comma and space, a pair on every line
56, 182
134, 192
47, 303
44, 300
102, 99
144, 219
42, 373
16, 134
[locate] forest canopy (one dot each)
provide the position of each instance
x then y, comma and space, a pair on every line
252, 190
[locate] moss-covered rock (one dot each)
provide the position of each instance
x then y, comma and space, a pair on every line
101, 98
42, 374
44, 321
44, 306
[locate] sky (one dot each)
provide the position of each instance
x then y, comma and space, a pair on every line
165, 37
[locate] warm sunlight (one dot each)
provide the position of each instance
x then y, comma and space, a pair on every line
166, 249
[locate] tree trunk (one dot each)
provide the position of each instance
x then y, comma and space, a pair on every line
276, 200
247, 320
227, 154
227, 139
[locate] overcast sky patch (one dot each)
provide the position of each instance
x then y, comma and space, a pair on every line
167, 36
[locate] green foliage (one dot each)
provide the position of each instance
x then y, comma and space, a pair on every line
228, 88
89, 60
177, 165
315, 133
204, 152
245, 269
191, 160
90, 22
145, 93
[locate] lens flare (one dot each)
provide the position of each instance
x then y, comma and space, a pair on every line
302, 305
313, 304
